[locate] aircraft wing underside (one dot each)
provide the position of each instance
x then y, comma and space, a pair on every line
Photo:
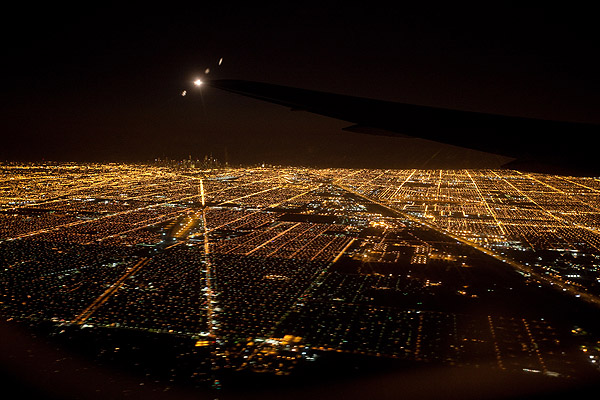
536, 145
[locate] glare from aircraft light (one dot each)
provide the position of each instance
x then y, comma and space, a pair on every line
198, 82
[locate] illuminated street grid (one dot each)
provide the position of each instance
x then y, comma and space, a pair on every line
550, 223
283, 263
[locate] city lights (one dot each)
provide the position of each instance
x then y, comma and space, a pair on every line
265, 268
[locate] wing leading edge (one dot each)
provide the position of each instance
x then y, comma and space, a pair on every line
536, 145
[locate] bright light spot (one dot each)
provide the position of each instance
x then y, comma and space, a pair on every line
220, 60
207, 71
184, 93
198, 82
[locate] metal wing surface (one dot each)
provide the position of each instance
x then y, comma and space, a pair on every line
536, 145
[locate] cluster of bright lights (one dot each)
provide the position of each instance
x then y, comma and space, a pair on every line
198, 82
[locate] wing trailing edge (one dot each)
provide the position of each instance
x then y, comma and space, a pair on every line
536, 145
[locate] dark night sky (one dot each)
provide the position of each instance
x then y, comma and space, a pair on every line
104, 85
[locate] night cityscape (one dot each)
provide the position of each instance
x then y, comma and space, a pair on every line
295, 201
200, 278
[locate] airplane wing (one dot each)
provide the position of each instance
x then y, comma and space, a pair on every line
535, 145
